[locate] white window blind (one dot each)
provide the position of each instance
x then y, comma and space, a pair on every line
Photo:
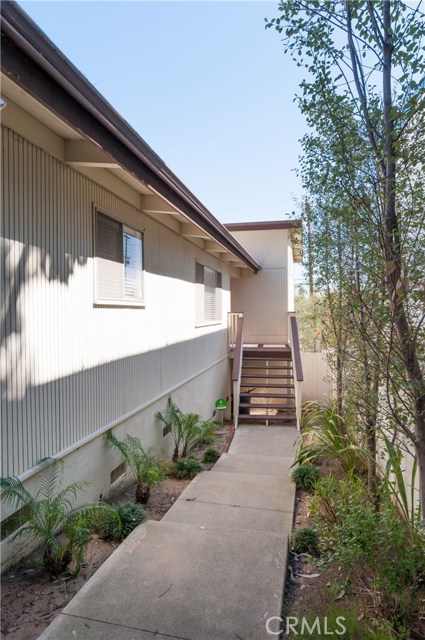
208, 292
133, 267
119, 252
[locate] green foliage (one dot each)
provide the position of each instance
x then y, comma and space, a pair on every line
126, 517
142, 463
362, 170
322, 437
394, 481
190, 426
188, 467
337, 618
50, 512
166, 466
376, 548
186, 428
206, 432
171, 417
211, 455
305, 477
306, 541
310, 320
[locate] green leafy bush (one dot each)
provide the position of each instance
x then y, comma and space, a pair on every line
340, 623
211, 455
305, 477
207, 431
322, 437
188, 467
186, 428
142, 463
306, 541
380, 551
128, 516
50, 512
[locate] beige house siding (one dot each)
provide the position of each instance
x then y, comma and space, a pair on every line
70, 368
264, 298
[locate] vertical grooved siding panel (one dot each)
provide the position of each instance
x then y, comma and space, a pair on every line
69, 367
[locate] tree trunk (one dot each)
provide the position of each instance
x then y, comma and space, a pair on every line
143, 492
392, 253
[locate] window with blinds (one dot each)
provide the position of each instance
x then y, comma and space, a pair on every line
119, 261
208, 294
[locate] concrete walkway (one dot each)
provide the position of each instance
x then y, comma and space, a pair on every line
212, 569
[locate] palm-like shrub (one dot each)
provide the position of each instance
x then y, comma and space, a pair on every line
188, 467
141, 462
127, 516
206, 432
191, 430
322, 437
186, 428
172, 418
50, 512
211, 455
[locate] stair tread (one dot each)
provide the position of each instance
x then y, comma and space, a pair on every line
265, 367
255, 375
283, 357
269, 386
253, 418
266, 406
267, 395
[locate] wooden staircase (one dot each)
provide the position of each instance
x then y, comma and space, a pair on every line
267, 386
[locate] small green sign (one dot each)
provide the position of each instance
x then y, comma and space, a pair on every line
221, 404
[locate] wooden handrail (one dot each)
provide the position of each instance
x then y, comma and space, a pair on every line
296, 353
237, 358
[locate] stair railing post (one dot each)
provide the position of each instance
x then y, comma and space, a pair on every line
237, 368
294, 343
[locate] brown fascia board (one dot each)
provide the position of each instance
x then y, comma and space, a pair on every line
264, 226
31, 60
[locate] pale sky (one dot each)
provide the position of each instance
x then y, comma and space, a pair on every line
207, 87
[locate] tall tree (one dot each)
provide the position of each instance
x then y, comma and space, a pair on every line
364, 96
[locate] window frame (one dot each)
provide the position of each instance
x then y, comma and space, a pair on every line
203, 322
125, 225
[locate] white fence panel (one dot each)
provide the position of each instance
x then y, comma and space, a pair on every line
318, 380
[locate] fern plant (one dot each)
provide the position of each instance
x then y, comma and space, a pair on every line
50, 512
141, 462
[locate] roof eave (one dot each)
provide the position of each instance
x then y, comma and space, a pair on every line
31, 60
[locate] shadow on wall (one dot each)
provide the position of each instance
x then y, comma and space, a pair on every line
50, 417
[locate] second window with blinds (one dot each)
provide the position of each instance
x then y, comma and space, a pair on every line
208, 295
